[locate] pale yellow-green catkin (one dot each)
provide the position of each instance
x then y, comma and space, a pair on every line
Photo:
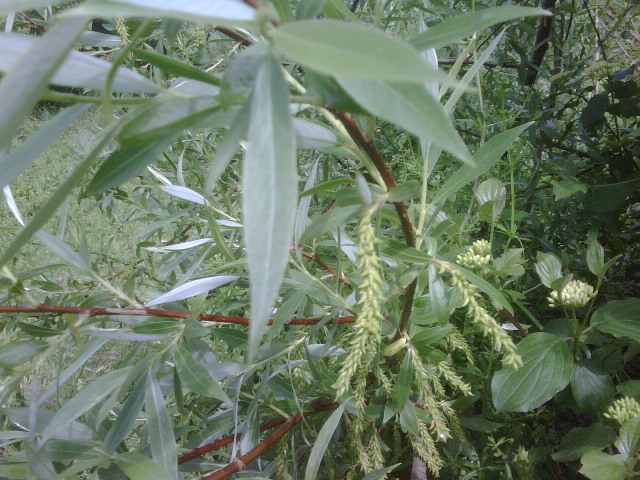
458, 342
201, 35
123, 31
282, 458
487, 324
425, 447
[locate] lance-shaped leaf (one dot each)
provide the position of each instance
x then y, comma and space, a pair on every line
463, 26
78, 69
192, 289
216, 12
269, 185
161, 438
412, 107
351, 50
322, 442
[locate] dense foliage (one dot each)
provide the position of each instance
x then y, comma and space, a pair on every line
373, 239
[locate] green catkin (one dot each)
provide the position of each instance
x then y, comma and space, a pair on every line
123, 31
425, 447
458, 342
487, 324
282, 458
201, 36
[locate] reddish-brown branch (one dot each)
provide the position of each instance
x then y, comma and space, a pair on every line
240, 463
103, 311
241, 39
333, 273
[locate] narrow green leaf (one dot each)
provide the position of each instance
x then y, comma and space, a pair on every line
429, 336
161, 439
84, 401
580, 440
126, 420
139, 467
322, 442
211, 12
269, 185
166, 117
30, 75
412, 107
620, 318
195, 376
485, 158
601, 466
175, 67
628, 443
123, 164
328, 222
19, 352
352, 50
78, 70
547, 369
438, 296
405, 381
463, 26
16, 162
63, 251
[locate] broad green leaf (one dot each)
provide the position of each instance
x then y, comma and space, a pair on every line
491, 192
510, 262
19, 352
405, 381
161, 439
581, 440
547, 369
16, 162
323, 223
139, 467
78, 70
175, 67
84, 401
591, 386
21, 87
595, 258
195, 376
485, 158
628, 443
548, 268
211, 12
193, 288
412, 107
601, 466
352, 50
166, 117
438, 296
270, 188
566, 188
322, 442
620, 318
463, 26
123, 164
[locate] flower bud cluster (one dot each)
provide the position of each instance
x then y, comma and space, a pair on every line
574, 294
475, 257
623, 410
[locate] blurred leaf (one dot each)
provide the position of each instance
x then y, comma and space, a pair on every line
195, 376
462, 26
581, 440
547, 369
78, 70
166, 117
21, 87
620, 318
628, 443
601, 466
163, 444
193, 288
16, 162
84, 401
350, 50
322, 442
9, 6
591, 386
19, 352
211, 12
139, 467
412, 107
270, 189
548, 268
308, 9
485, 158
479, 424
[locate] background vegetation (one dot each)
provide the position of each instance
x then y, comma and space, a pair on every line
319, 239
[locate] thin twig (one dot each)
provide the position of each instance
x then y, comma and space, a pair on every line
333, 273
104, 311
